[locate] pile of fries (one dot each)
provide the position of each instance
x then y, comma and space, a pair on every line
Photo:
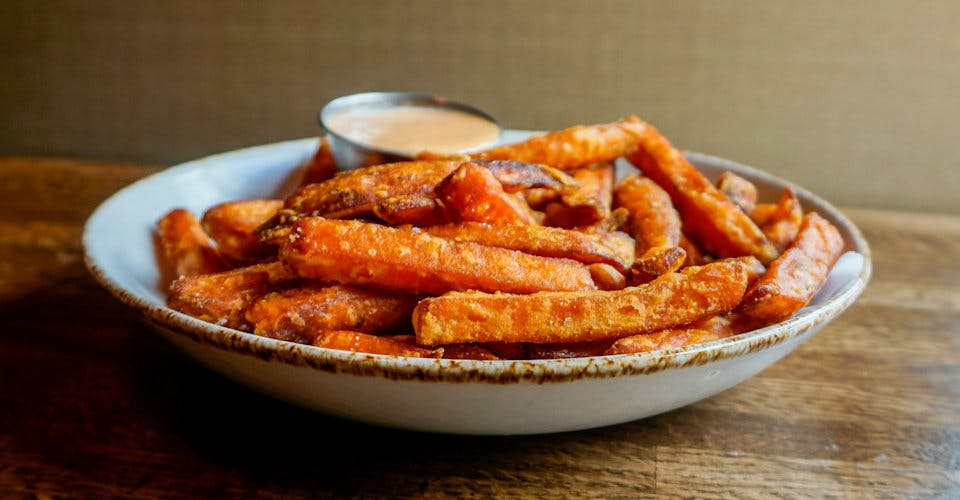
525, 251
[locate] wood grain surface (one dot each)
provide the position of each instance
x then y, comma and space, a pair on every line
95, 405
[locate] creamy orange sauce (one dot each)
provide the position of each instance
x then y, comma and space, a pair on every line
412, 129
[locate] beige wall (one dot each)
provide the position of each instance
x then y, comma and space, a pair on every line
858, 101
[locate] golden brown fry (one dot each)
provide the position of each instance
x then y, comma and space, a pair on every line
414, 209
232, 225
354, 252
654, 224
794, 278
187, 249
714, 328
372, 344
783, 223
607, 277
568, 349
738, 190
548, 317
474, 194
572, 147
223, 298
544, 241
587, 204
322, 166
300, 314
716, 223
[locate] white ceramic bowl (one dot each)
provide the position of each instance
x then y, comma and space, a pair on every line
438, 395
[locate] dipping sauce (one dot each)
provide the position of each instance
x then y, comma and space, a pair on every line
410, 129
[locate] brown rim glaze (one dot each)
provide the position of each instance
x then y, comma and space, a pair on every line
515, 371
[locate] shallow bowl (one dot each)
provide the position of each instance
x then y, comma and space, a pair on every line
436, 395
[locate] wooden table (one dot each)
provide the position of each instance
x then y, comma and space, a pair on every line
94, 404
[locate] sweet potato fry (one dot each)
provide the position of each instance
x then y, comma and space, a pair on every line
572, 147
695, 256
587, 204
794, 278
738, 190
300, 314
223, 298
354, 252
762, 213
232, 225
714, 222
548, 317
414, 209
517, 175
467, 351
783, 223
615, 249
654, 224
372, 344
474, 194
322, 166
607, 277
186, 248
568, 349
714, 328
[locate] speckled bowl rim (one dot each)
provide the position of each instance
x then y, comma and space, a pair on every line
492, 372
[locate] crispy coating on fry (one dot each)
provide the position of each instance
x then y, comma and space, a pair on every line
186, 248
568, 349
518, 175
548, 317
300, 314
615, 249
654, 224
783, 223
587, 204
232, 225
794, 278
474, 194
716, 223
372, 344
354, 252
572, 147
223, 298
714, 328
738, 190
322, 166
414, 209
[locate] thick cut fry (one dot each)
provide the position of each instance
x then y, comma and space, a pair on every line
322, 166
372, 344
615, 249
738, 190
654, 224
354, 252
587, 204
548, 317
568, 349
232, 225
414, 209
300, 314
223, 298
572, 147
716, 223
782, 225
714, 328
186, 247
795, 277
474, 194
762, 213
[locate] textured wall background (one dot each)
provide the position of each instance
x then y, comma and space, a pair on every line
855, 100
